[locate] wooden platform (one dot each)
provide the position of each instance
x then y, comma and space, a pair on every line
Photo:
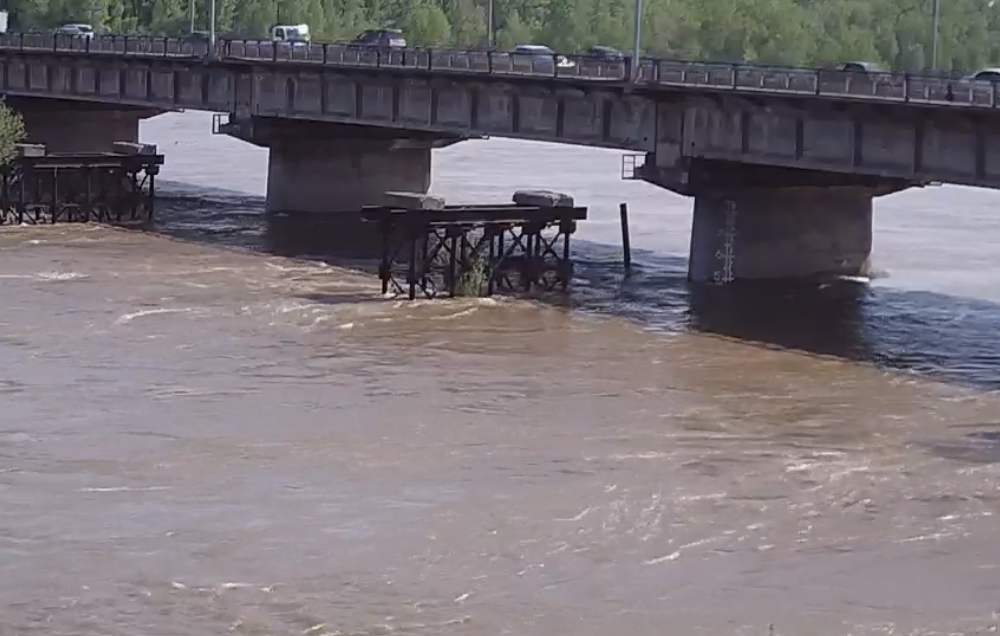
40, 188
475, 250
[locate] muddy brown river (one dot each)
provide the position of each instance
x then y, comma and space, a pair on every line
212, 428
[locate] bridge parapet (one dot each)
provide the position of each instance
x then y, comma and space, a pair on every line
652, 73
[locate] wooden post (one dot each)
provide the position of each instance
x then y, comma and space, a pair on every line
626, 241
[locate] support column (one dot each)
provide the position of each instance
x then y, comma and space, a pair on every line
781, 233
341, 176
80, 130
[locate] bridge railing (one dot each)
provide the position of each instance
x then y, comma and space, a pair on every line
747, 78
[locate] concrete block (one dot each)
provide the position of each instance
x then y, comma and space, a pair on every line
543, 199
130, 148
414, 201
31, 150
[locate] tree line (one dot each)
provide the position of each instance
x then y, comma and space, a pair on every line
894, 33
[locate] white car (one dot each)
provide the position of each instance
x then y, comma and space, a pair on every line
539, 59
77, 30
985, 75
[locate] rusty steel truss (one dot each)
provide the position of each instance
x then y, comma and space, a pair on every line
475, 250
79, 188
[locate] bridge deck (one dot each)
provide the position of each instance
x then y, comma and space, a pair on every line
652, 73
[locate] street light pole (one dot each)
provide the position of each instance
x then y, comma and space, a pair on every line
191, 12
636, 41
211, 27
934, 40
489, 24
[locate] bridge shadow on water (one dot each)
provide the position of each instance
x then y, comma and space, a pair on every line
929, 334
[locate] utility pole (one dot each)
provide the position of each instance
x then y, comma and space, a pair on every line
211, 28
489, 24
637, 40
934, 40
191, 14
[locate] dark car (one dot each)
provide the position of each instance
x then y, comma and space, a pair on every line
388, 38
602, 62
855, 78
196, 37
861, 67
605, 54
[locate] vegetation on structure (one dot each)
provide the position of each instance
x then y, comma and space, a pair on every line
11, 133
474, 281
897, 33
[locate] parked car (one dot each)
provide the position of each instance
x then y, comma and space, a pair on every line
537, 58
388, 38
76, 30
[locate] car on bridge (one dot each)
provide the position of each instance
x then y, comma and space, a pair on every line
600, 62
984, 75
537, 58
76, 29
291, 34
861, 67
605, 54
386, 38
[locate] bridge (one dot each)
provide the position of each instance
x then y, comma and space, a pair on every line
783, 163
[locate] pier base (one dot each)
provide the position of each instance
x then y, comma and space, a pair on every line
781, 233
79, 127
343, 176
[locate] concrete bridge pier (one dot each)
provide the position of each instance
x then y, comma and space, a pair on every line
342, 176
759, 222
79, 127
328, 172
781, 233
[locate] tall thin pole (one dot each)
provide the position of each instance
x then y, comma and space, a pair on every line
191, 15
489, 24
211, 27
934, 40
636, 41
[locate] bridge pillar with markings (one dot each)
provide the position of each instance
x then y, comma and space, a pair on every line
754, 222
781, 233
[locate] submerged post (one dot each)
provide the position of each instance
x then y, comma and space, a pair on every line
626, 240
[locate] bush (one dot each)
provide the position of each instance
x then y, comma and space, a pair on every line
11, 133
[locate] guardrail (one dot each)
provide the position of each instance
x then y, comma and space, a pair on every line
873, 86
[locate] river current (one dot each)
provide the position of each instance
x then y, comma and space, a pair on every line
211, 428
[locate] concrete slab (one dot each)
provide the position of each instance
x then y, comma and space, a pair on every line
543, 199
414, 201
130, 148
31, 150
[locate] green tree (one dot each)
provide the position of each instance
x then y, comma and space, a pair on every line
11, 133
427, 25
897, 33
